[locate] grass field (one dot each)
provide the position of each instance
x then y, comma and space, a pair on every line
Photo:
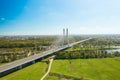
33, 72
87, 69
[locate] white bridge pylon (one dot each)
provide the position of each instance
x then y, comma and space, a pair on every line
65, 38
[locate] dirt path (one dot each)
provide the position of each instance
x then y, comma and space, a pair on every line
49, 68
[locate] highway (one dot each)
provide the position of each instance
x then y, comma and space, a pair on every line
23, 61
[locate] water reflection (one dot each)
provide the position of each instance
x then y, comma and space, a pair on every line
116, 49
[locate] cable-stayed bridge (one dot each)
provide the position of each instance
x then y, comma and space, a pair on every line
16, 65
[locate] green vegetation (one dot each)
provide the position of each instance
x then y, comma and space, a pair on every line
75, 63
95, 48
16, 47
20, 42
33, 72
84, 69
87, 69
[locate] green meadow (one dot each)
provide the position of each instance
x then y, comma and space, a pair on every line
82, 69
33, 72
86, 69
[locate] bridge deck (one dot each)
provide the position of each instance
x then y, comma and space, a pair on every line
20, 62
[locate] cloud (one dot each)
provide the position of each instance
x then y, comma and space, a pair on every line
2, 19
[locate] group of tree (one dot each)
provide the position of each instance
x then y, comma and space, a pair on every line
14, 48
85, 54
5, 58
25, 43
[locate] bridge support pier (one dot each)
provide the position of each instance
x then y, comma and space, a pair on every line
42, 58
33, 61
20, 67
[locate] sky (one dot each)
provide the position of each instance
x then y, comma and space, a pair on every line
49, 17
